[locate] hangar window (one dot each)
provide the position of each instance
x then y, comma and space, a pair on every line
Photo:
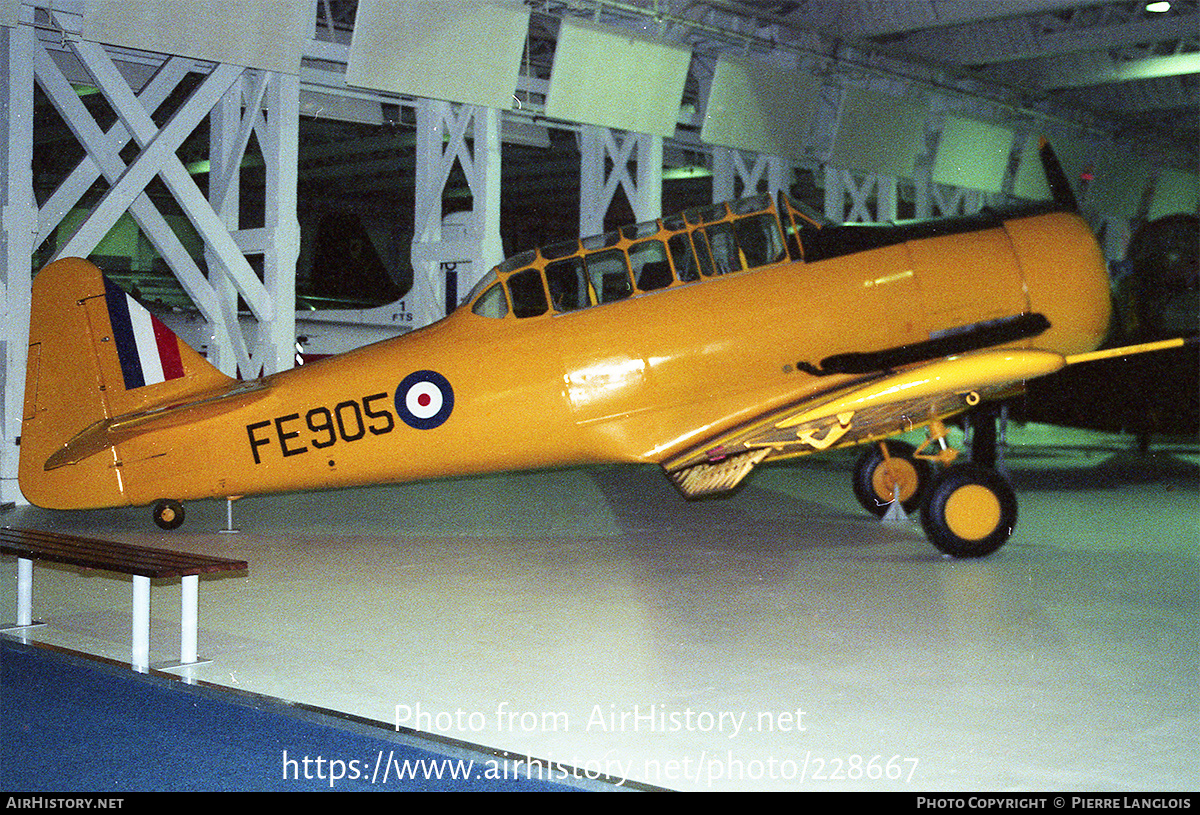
528, 294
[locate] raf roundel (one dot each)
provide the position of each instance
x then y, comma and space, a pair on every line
424, 399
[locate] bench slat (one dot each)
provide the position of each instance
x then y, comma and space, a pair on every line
110, 556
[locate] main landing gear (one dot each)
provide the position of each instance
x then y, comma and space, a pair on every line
967, 509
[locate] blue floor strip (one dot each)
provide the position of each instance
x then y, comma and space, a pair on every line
77, 724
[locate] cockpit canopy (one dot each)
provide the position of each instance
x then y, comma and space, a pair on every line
641, 258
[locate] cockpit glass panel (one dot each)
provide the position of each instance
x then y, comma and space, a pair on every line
724, 248
803, 214
560, 250
517, 261
601, 241
492, 303
651, 269
609, 276
528, 295
712, 214
685, 261
755, 203
637, 231
759, 240
703, 254
568, 284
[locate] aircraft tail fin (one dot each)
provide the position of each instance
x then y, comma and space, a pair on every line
95, 354
1056, 177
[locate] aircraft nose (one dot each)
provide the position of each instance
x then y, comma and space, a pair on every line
1066, 279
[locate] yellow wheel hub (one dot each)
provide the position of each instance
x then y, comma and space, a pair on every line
972, 512
894, 472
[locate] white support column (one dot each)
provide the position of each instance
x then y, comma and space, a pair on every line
267, 105
157, 158
485, 187
956, 200
117, 137
724, 175
226, 146
730, 166
887, 197
101, 154
280, 143
597, 147
230, 90
593, 203
647, 200
839, 183
443, 132
18, 215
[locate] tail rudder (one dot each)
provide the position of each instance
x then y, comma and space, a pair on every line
95, 354
1056, 178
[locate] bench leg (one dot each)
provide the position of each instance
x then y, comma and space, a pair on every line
141, 623
24, 591
187, 618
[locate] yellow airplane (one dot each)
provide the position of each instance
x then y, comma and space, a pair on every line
706, 343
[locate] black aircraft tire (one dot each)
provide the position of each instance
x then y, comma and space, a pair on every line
168, 514
873, 479
969, 511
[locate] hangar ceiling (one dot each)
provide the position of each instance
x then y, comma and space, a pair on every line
1116, 68
1133, 68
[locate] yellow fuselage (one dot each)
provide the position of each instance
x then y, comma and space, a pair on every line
631, 381
636, 380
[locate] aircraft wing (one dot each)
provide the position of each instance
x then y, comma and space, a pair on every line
872, 407
864, 409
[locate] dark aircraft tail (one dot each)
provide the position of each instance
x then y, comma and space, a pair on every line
1060, 185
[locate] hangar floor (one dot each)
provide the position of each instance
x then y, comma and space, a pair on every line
778, 639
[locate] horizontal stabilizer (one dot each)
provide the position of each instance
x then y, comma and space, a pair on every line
110, 432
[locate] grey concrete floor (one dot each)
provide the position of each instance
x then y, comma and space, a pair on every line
776, 639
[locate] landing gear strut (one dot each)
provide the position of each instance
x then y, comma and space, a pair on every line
888, 470
968, 509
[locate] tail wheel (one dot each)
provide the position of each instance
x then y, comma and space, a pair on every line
168, 514
969, 511
879, 473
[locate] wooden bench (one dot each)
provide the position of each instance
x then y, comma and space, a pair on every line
140, 562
